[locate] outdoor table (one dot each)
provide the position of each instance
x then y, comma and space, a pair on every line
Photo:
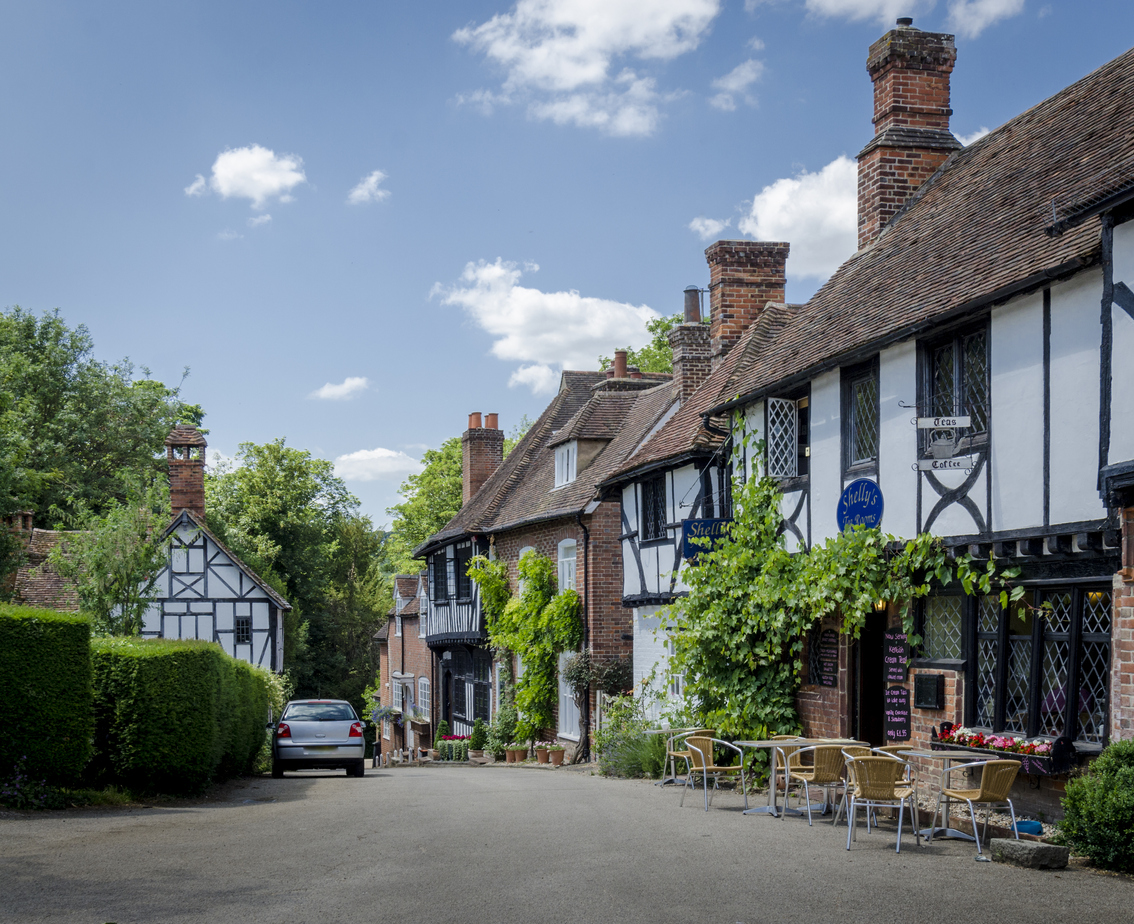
772, 807
948, 757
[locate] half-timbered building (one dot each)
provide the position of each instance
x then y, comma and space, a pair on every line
541, 497
969, 363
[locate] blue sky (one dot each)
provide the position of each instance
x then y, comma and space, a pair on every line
358, 222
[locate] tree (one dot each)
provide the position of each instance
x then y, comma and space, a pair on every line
432, 499
655, 356
518, 433
113, 560
72, 426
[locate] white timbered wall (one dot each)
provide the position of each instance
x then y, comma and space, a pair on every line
204, 595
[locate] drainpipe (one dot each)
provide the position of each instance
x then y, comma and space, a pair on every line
586, 730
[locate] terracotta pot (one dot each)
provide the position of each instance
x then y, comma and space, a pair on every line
541, 755
509, 756
556, 757
517, 755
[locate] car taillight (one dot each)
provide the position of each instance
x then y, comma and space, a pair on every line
283, 731
355, 730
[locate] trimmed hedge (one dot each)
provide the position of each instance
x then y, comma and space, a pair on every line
1098, 810
172, 716
45, 693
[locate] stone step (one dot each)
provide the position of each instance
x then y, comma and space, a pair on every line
1029, 854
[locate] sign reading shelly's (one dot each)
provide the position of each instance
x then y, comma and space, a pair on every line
860, 505
711, 530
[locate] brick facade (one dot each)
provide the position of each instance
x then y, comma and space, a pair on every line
691, 344
910, 70
406, 654
743, 277
482, 451
185, 449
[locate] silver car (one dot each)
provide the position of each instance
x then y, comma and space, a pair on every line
323, 734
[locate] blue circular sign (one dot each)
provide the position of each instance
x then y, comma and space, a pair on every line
860, 505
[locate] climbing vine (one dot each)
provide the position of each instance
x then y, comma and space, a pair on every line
739, 633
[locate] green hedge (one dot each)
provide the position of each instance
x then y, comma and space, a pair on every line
172, 716
1098, 810
45, 693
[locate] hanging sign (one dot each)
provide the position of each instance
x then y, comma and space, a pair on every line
828, 659
713, 530
944, 423
860, 505
957, 463
896, 720
895, 657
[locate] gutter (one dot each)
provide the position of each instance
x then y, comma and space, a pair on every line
997, 296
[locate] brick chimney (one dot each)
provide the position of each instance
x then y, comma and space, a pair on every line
692, 351
743, 277
910, 70
482, 451
185, 447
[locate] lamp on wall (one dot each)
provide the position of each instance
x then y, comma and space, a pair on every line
879, 606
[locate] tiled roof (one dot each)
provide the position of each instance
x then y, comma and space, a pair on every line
185, 435
405, 585
975, 232
383, 633
37, 583
522, 490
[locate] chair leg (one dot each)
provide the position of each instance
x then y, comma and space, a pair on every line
1012, 810
850, 821
976, 832
933, 824
916, 818
987, 816
743, 785
901, 809
807, 796
705, 778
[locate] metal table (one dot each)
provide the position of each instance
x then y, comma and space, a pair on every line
772, 808
948, 757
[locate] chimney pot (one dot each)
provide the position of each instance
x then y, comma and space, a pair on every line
620, 364
474, 420
904, 22
492, 421
692, 304
634, 372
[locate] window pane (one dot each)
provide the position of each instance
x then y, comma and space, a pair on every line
1094, 669
1056, 665
976, 381
864, 420
944, 396
988, 624
941, 637
783, 444
1019, 669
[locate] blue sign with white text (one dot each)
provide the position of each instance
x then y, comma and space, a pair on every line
712, 530
860, 505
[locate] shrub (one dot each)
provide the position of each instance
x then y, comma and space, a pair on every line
624, 748
442, 734
171, 716
501, 730
479, 735
1098, 810
45, 694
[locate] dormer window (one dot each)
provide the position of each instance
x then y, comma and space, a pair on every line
566, 457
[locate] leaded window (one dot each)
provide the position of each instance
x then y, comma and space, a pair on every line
788, 452
957, 381
941, 628
463, 556
438, 577
243, 630
860, 410
653, 509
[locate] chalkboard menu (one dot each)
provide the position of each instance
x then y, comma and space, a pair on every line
827, 661
895, 657
896, 725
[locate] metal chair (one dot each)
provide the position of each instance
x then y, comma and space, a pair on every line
848, 752
878, 783
826, 771
788, 759
702, 761
673, 754
996, 779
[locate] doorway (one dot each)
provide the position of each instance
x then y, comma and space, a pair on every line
870, 682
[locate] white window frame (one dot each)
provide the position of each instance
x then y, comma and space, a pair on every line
567, 564
421, 625
569, 718
386, 729
566, 459
398, 626
783, 438
423, 702
396, 689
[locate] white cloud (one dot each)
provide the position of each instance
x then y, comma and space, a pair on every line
708, 228
559, 57
367, 190
884, 12
756, 43
816, 212
971, 17
375, 465
736, 83
543, 330
966, 140
256, 220
229, 235
346, 389
254, 173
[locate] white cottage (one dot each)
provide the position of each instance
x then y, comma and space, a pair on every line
206, 591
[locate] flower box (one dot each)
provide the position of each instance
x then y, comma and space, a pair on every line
1055, 763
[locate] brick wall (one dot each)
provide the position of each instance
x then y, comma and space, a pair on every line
1122, 638
187, 486
743, 277
825, 711
417, 660
482, 451
692, 357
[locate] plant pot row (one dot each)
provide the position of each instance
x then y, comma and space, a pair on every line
543, 755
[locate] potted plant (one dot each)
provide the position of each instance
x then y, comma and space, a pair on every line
478, 738
517, 752
555, 754
541, 750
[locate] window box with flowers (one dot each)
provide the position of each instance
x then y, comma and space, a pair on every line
1037, 757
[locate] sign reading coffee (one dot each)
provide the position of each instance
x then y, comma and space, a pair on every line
896, 721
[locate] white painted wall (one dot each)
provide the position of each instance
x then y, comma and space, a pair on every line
826, 456
897, 438
1017, 415
1122, 369
1076, 337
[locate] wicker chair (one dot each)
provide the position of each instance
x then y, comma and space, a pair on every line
826, 771
675, 752
879, 782
702, 761
848, 752
789, 760
996, 780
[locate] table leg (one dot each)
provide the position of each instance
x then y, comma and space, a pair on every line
770, 808
943, 830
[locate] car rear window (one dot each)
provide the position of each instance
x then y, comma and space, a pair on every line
320, 712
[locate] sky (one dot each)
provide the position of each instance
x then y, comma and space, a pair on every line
358, 222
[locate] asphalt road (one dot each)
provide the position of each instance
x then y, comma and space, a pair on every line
501, 844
